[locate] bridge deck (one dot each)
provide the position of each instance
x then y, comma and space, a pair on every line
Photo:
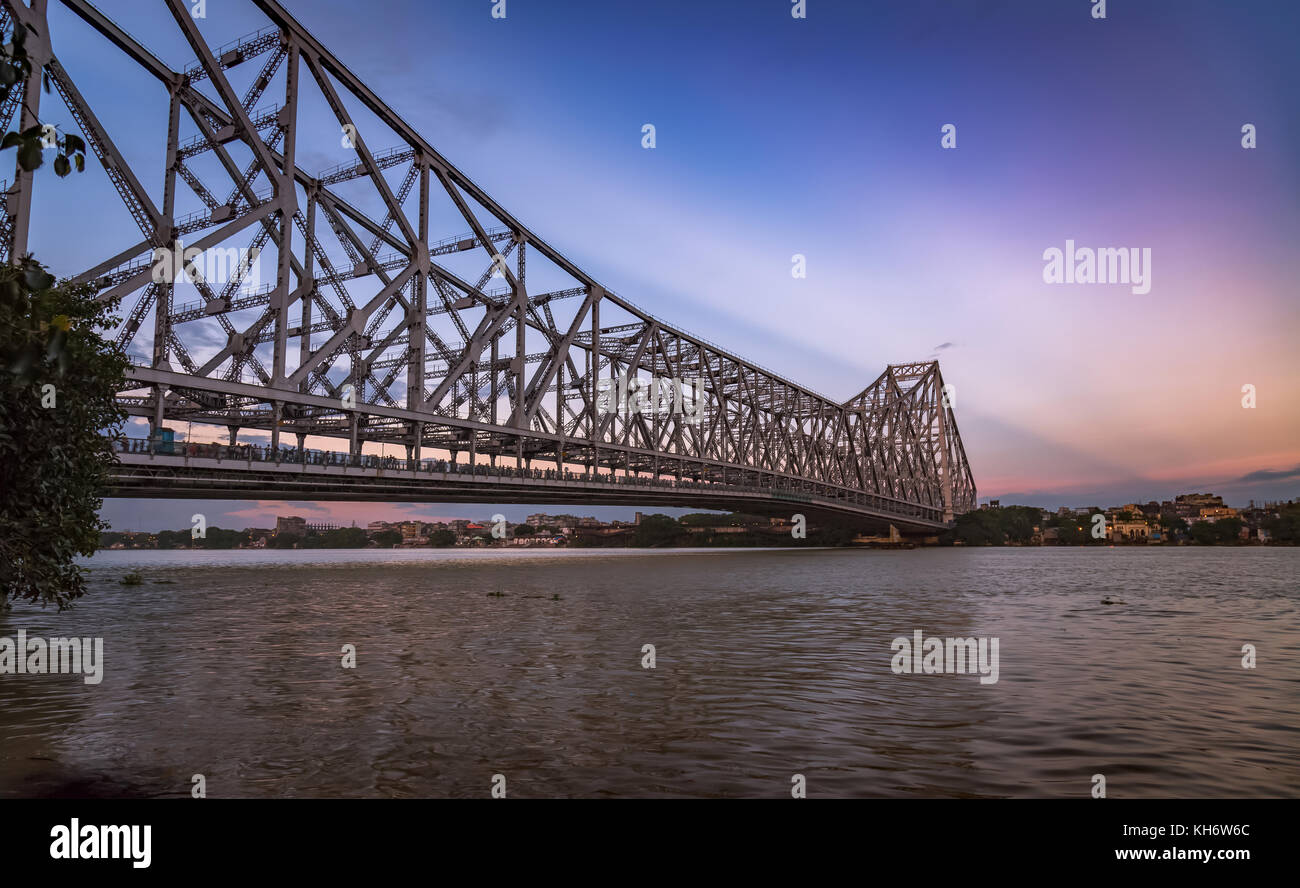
375, 479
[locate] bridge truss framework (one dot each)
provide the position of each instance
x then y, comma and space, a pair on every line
374, 331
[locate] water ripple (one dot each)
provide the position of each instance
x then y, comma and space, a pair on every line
769, 664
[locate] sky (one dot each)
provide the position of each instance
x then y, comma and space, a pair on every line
821, 136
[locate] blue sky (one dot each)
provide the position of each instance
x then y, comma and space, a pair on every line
820, 136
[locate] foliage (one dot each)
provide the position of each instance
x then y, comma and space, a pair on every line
221, 538
995, 527
345, 538
49, 349
1173, 523
1286, 527
830, 536
1225, 530
657, 530
339, 538
59, 378
1076, 530
15, 68
727, 519
213, 538
442, 539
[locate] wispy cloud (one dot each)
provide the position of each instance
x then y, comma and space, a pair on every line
1262, 475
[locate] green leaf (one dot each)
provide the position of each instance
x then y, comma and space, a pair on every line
61, 166
37, 278
55, 347
29, 156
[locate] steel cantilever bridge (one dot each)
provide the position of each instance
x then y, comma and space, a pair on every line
407, 307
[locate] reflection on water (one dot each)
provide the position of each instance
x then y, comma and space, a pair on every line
769, 664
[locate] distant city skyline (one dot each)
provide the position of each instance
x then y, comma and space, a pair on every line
175, 514
821, 137
237, 515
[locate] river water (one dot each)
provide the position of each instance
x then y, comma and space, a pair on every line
768, 664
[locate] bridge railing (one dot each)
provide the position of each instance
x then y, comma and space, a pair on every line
795, 492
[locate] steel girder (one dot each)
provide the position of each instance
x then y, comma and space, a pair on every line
431, 356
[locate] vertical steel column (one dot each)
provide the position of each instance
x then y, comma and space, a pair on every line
163, 294
494, 392
286, 194
308, 283
417, 314
163, 238
39, 52
946, 480
156, 422
277, 411
559, 413
595, 373
521, 327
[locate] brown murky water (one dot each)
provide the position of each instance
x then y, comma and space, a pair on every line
768, 664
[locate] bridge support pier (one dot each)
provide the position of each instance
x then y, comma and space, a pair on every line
234, 434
